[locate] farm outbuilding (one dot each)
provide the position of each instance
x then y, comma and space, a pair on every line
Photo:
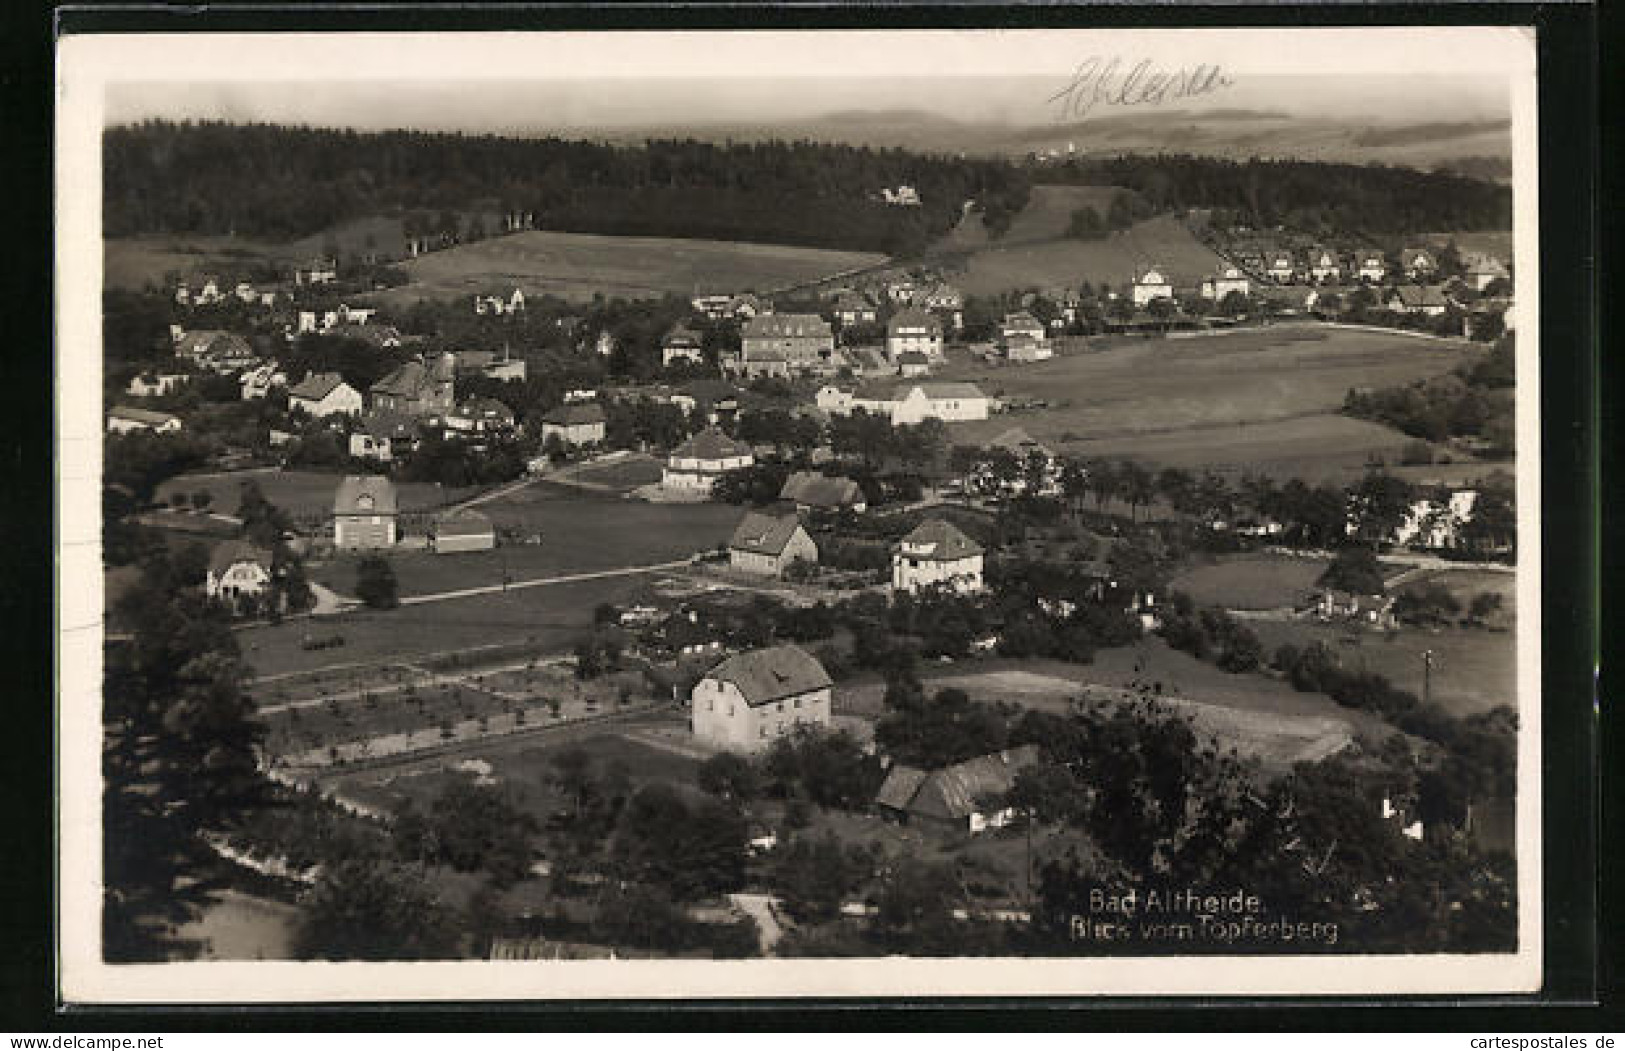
464, 530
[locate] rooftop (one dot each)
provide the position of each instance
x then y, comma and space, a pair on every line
764, 676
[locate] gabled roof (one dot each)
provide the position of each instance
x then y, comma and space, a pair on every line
1018, 441
681, 336
577, 414
390, 425
1415, 256
485, 409
955, 792
785, 326
819, 490
316, 386
764, 534
853, 301
711, 444
347, 500
406, 381
913, 318
940, 541
1021, 319
462, 522
1487, 264
1414, 296
147, 416
765, 676
1144, 272
233, 552
940, 391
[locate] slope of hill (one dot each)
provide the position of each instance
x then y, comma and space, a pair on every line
1067, 262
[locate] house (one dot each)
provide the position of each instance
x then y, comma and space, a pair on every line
769, 544
364, 510
1024, 338
746, 305
1418, 263
122, 419
682, 344
1437, 523
1485, 270
259, 382
949, 402
811, 491
868, 361
854, 308
1373, 267
714, 307
1325, 266
156, 384
1417, 299
695, 465
581, 423
965, 798
911, 363
605, 344
1225, 280
381, 435
750, 700
1150, 285
215, 350
774, 344
461, 530
323, 394
383, 337
481, 416
901, 292
904, 195
936, 554
416, 389
497, 306
1024, 448
316, 272
237, 570
913, 331
1375, 611
1282, 269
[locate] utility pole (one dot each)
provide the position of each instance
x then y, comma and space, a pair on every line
1427, 676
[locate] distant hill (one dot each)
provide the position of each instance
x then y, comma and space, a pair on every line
1066, 262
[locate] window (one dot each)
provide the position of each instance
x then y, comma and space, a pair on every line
798, 702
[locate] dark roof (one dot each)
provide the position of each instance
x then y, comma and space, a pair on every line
819, 490
1018, 441
1419, 296
681, 336
316, 386
913, 318
347, 501
1021, 319
389, 425
234, 551
764, 534
710, 444
407, 380
785, 326
942, 540
764, 676
955, 792
575, 415
463, 522
486, 408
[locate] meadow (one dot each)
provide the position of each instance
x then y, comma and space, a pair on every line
302, 494
580, 266
1062, 262
1253, 581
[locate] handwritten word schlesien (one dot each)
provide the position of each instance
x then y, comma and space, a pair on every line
1104, 81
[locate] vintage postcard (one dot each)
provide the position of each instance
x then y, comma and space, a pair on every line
678, 515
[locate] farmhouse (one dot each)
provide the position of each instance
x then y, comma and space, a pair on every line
913, 331
936, 554
1226, 280
576, 424
364, 510
854, 308
1485, 270
416, 389
682, 344
461, 530
1373, 268
1417, 299
156, 384
1325, 266
1150, 285
811, 491
964, 798
777, 343
749, 700
258, 382
1023, 337
237, 570
122, 419
1418, 263
323, 394
694, 465
768, 544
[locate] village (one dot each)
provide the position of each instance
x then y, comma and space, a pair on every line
773, 613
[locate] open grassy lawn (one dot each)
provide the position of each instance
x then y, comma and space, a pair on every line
624, 473
578, 266
552, 618
1045, 218
1261, 399
1473, 669
300, 493
133, 263
1063, 262
1251, 581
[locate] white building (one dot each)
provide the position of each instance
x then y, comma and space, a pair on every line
913, 331
237, 570
122, 419
769, 544
1431, 523
323, 394
1226, 280
750, 700
1150, 285
694, 466
937, 554
156, 384
909, 402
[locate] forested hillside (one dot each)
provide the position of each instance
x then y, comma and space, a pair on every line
280, 183
1323, 199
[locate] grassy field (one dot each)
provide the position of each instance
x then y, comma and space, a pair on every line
1046, 218
1474, 670
1254, 581
301, 493
624, 474
1260, 399
136, 262
1064, 262
578, 266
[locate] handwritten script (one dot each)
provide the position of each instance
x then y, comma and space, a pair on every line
1112, 81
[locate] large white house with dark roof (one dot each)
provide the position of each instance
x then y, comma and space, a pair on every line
936, 554
323, 394
750, 700
695, 465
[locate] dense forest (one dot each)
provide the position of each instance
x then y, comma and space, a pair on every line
1324, 199
281, 183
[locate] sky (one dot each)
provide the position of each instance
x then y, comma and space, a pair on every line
583, 81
